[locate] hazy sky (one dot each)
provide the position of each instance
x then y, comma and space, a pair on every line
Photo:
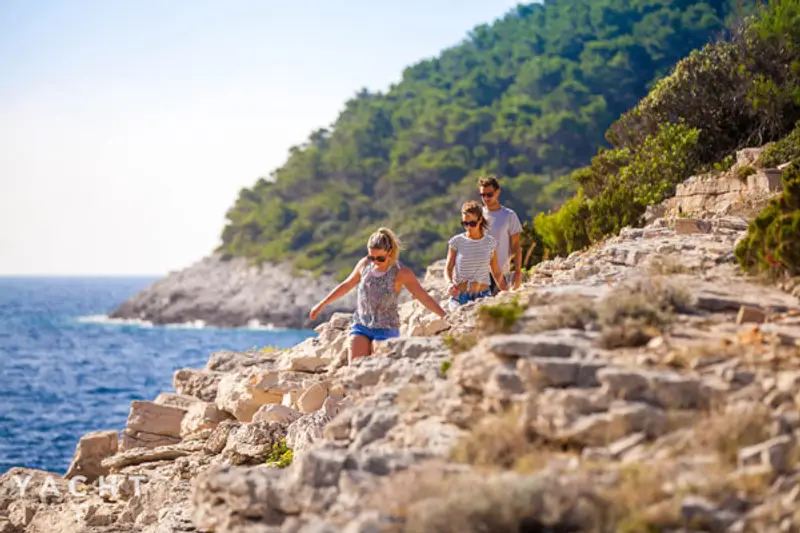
127, 127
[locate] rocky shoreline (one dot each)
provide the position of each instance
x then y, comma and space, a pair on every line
233, 293
643, 384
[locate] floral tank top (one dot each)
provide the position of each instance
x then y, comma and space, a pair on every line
377, 299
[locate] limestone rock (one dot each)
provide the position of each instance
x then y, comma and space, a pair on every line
229, 498
144, 455
201, 384
90, 452
202, 416
154, 418
238, 396
172, 399
130, 439
218, 439
313, 398
276, 413
251, 443
773, 454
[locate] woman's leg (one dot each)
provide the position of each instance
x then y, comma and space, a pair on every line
360, 346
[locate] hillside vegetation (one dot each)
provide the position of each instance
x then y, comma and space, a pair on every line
739, 92
528, 97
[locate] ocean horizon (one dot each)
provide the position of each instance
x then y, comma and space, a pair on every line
69, 369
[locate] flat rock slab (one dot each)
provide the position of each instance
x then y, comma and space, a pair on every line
148, 455
733, 294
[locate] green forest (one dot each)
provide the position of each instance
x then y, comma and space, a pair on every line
530, 98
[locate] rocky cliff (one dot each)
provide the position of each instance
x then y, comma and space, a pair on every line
233, 293
641, 385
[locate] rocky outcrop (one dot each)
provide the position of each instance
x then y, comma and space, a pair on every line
644, 385
233, 293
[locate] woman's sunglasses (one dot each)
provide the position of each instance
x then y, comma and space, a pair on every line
471, 223
378, 258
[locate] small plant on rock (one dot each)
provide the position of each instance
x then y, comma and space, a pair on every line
281, 455
744, 171
446, 366
460, 342
633, 314
500, 317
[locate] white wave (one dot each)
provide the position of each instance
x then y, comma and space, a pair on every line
252, 324
105, 319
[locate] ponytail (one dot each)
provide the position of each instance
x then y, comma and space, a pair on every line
385, 239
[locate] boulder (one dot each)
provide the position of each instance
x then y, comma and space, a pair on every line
90, 452
202, 416
201, 384
150, 417
239, 397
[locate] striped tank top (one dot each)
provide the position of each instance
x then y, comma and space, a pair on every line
473, 258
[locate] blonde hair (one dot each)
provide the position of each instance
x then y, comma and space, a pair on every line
385, 239
474, 208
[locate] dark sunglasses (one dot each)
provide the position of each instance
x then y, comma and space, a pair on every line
471, 223
487, 194
379, 258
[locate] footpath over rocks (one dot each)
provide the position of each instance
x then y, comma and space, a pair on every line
641, 385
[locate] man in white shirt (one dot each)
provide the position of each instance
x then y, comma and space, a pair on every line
505, 228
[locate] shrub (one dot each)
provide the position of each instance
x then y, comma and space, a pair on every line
460, 342
281, 455
782, 151
500, 317
445, 366
633, 314
772, 242
743, 172
564, 231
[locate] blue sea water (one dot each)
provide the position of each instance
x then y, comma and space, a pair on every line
62, 375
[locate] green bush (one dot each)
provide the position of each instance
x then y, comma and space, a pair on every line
782, 151
772, 242
281, 455
742, 173
500, 317
648, 176
564, 231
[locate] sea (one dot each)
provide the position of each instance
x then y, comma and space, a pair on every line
66, 369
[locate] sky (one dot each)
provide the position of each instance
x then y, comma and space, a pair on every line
128, 127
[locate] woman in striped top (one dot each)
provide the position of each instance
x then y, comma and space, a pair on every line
472, 258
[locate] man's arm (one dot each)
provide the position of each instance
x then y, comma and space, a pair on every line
515, 230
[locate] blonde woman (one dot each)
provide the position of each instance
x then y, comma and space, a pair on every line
379, 277
472, 259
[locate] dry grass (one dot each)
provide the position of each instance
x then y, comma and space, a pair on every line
636, 312
725, 432
572, 311
495, 441
639, 500
665, 265
518, 504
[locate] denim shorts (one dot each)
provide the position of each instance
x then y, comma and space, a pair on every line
466, 297
374, 334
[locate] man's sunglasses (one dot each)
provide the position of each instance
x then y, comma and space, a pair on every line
487, 194
379, 258
471, 223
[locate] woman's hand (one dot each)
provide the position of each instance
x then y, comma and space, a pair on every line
452, 290
316, 310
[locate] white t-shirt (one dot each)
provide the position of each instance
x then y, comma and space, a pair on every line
503, 223
473, 258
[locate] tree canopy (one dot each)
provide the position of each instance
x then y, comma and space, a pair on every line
528, 98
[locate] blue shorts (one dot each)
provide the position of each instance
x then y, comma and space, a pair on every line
374, 334
466, 297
